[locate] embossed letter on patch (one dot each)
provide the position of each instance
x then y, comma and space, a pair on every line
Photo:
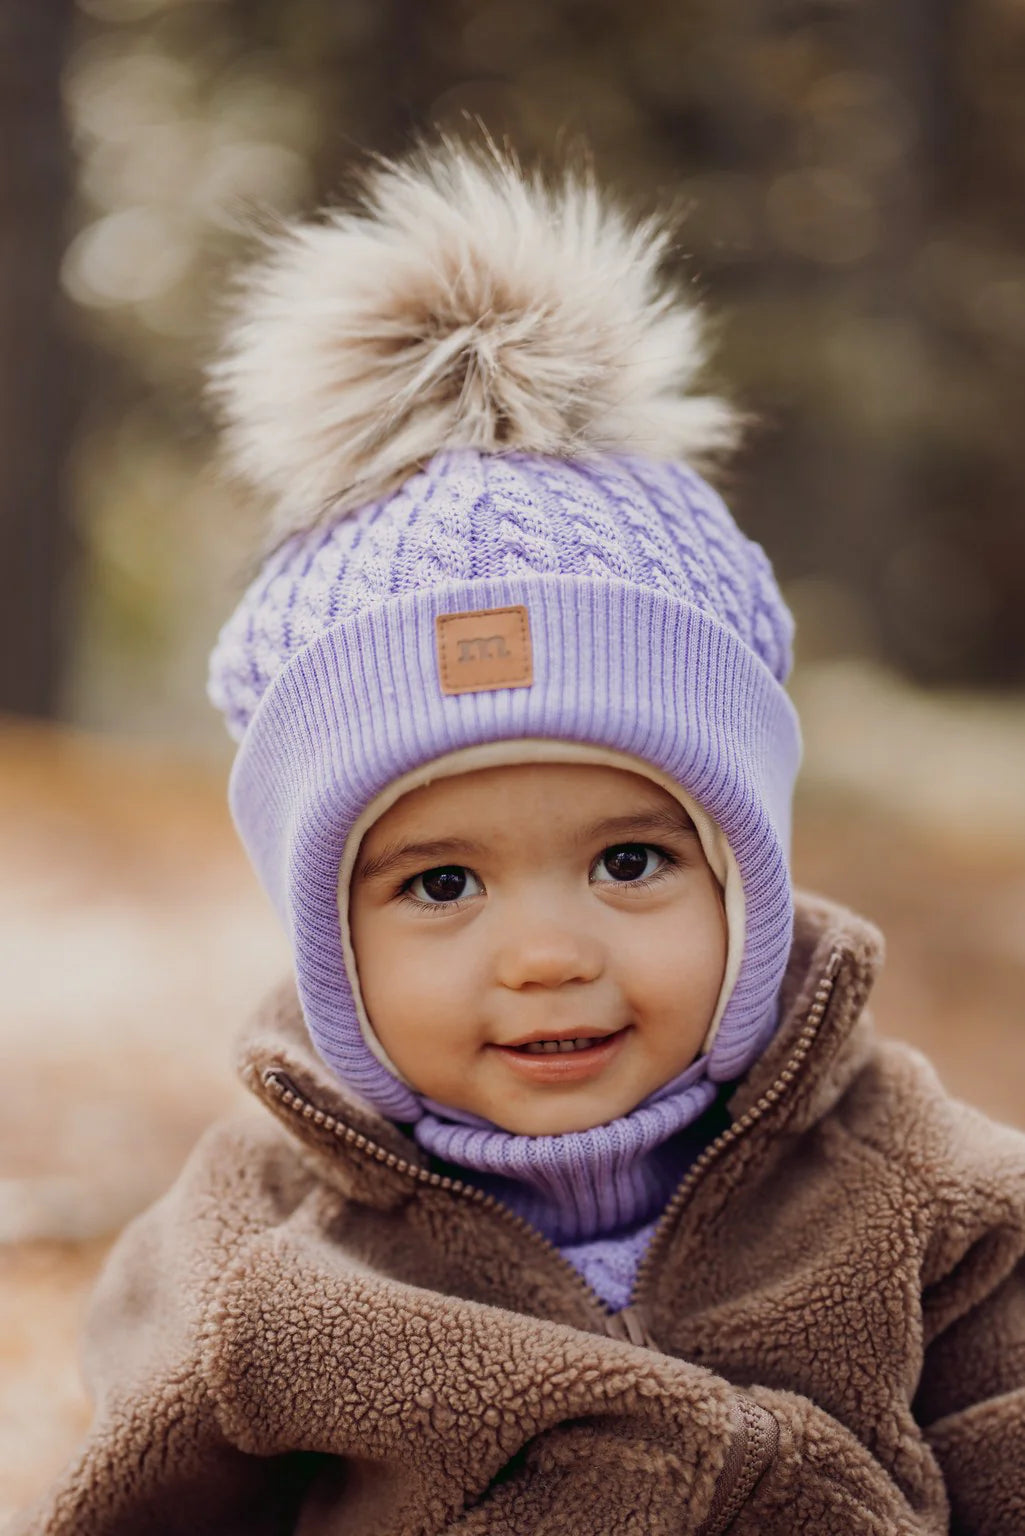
489, 648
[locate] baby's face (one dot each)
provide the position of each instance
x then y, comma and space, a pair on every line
498, 911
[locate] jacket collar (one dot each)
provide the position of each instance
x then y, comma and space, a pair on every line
822, 1040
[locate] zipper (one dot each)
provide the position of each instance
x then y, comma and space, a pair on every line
629, 1322
734, 1133
287, 1093
752, 1450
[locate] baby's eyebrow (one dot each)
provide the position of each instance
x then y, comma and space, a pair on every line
445, 849
398, 853
656, 820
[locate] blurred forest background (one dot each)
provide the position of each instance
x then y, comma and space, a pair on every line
852, 180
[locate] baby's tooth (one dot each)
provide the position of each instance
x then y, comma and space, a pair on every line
554, 1047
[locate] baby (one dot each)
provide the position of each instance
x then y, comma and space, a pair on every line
587, 1201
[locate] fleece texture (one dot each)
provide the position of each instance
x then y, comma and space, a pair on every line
315, 1331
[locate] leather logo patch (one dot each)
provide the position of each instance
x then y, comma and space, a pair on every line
489, 648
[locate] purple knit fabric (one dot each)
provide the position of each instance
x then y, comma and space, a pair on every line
595, 1194
610, 1264
656, 629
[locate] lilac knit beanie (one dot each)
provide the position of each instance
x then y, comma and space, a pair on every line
464, 401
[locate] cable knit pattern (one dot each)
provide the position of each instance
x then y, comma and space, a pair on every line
656, 525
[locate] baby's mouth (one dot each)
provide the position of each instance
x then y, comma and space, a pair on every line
560, 1060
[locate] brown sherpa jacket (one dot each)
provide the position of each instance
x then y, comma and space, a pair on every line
315, 1332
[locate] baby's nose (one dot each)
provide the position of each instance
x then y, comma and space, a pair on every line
547, 956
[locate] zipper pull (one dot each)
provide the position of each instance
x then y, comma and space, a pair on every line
628, 1324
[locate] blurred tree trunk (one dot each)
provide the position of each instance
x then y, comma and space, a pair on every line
36, 390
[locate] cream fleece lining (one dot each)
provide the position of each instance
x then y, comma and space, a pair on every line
535, 749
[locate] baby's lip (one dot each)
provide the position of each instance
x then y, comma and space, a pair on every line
583, 1033
559, 1068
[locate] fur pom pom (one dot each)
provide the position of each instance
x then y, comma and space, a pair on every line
462, 303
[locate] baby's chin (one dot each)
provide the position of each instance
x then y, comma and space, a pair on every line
538, 1096
554, 1118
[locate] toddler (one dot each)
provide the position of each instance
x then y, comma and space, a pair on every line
579, 1196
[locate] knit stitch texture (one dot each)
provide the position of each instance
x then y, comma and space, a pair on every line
658, 526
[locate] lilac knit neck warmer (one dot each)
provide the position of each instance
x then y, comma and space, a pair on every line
597, 1195
583, 1184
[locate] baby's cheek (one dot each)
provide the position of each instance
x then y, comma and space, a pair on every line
685, 973
389, 992
418, 1011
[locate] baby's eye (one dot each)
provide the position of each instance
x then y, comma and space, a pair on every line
624, 862
447, 883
